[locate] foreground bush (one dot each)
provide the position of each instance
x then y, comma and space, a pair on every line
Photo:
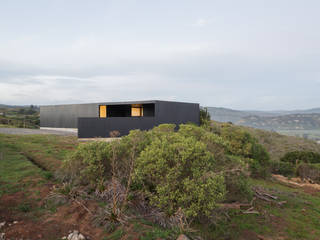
189, 170
241, 143
90, 163
178, 172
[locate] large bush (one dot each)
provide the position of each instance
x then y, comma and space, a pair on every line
191, 169
241, 143
178, 172
297, 157
89, 164
283, 168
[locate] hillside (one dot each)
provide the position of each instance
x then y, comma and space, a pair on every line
19, 116
285, 122
302, 123
277, 144
41, 196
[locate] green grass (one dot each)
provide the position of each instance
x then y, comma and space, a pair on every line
297, 219
15, 169
48, 151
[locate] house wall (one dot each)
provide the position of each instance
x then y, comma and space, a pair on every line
66, 116
101, 127
177, 112
85, 117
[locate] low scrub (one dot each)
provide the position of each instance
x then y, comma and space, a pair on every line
189, 170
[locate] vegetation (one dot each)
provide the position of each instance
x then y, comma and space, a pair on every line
20, 117
189, 171
156, 184
204, 116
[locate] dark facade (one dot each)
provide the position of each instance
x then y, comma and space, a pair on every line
93, 121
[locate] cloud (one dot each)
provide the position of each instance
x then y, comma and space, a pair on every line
201, 22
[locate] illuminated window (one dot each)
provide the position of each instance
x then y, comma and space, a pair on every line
103, 111
136, 110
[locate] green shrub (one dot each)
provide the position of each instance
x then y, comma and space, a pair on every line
204, 116
309, 171
241, 143
297, 157
238, 187
89, 163
191, 169
283, 168
177, 172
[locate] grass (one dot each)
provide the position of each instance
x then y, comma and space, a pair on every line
48, 151
15, 169
298, 218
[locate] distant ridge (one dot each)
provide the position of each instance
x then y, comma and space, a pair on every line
303, 123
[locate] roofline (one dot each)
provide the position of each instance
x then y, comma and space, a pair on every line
118, 103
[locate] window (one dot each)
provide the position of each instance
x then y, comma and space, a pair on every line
136, 110
103, 111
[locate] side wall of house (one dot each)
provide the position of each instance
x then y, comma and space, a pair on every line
177, 113
101, 127
66, 116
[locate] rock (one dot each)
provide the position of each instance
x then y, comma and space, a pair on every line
2, 236
182, 237
81, 237
15, 222
75, 235
2, 224
64, 237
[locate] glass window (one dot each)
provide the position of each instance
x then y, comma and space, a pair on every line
103, 111
136, 110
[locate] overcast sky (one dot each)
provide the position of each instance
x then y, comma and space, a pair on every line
248, 54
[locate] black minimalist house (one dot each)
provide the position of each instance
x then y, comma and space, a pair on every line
99, 119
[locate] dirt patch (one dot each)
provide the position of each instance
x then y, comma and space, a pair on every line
68, 217
311, 188
78, 217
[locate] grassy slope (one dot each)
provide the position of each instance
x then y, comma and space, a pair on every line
297, 219
276, 144
27, 185
15, 170
46, 150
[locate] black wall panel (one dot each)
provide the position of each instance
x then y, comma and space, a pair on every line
101, 127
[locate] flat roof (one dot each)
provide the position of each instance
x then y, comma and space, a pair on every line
119, 103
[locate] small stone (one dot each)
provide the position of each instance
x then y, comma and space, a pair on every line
182, 237
64, 237
81, 237
15, 222
70, 236
2, 224
2, 236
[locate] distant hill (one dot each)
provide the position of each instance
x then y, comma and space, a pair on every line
304, 123
285, 122
230, 115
